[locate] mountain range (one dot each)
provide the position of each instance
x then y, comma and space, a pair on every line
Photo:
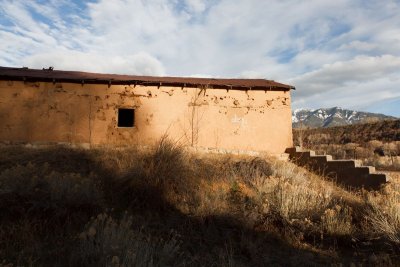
329, 117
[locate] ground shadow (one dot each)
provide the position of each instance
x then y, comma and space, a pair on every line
213, 240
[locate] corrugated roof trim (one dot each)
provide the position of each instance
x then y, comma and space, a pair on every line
50, 75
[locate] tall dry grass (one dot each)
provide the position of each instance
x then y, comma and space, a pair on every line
165, 206
39, 190
106, 241
383, 212
290, 193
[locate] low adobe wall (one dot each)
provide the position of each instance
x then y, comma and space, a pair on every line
234, 120
347, 172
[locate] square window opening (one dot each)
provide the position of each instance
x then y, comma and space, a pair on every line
126, 117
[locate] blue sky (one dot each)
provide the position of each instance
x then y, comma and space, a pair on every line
337, 53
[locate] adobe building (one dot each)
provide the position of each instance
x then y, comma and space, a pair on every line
51, 106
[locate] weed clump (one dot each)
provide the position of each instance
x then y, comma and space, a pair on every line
290, 193
106, 241
337, 221
158, 175
383, 213
39, 191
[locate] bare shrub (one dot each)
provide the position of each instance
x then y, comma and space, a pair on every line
384, 213
119, 160
160, 178
212, 199
37, 189
288, 171
168, 161
109, 242
38, 206
5, 264
166, 164
248, 169
337, 221
318, 138
362, 152
374, 144
291, 193
390, 148
335, 150
383, 163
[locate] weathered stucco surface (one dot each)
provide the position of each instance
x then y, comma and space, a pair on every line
202, 117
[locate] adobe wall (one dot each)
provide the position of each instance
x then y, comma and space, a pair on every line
206, 118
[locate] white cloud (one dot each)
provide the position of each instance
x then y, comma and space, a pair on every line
196, 6
354, 96
360, 70
357, 83
139, 64
358, 45
321, 48
251, 74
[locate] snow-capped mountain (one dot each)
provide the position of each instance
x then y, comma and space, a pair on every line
328, 117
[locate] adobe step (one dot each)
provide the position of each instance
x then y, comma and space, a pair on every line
325, 158
348, 172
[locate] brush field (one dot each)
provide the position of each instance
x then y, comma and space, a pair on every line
376, 144
166, 206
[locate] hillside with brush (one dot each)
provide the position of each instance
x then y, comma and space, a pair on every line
376, 144
166, 206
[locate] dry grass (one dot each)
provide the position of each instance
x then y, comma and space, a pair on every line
290, 193
337, 221
109, 242
167, 207
383, 163
38, 190
384, 212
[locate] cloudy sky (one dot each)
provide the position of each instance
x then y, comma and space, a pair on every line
337, 53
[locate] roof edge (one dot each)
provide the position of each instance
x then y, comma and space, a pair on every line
51, 75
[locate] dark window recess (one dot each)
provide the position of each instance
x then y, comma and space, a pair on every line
126, 117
